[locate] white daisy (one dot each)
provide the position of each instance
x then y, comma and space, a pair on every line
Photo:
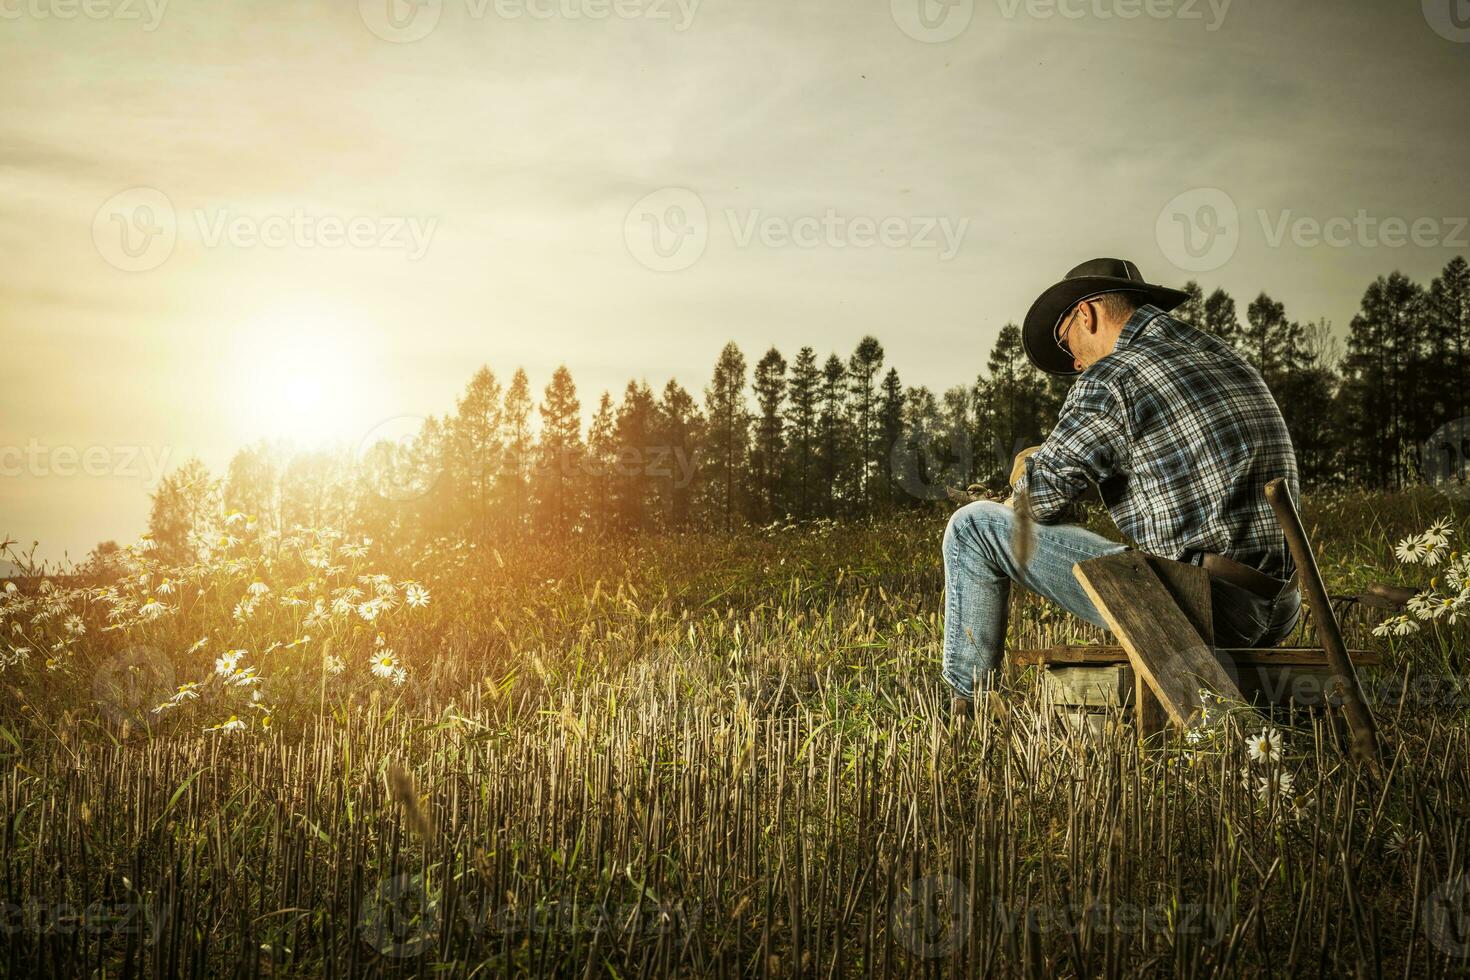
1265, 744
416, 595
384, 664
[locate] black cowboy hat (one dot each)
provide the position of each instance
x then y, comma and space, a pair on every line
1092, 278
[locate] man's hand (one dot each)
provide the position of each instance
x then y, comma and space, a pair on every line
1018, 468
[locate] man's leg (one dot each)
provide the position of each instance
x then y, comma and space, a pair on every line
979, 567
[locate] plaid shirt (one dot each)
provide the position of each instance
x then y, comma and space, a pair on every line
1181, 436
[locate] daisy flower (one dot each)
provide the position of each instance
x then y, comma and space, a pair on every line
1277, 783
333, 665
1265, 744
258, 588
416, 595
227, 662
1411, 549
233, 724
384, 664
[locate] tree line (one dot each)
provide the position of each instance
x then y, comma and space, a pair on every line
831, 437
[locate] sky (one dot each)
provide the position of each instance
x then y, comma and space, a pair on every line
225, 221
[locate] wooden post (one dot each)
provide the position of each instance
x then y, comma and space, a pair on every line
1360, 719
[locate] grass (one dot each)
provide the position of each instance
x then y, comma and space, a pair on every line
698, 755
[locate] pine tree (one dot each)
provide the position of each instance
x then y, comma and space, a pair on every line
599, 463
680, 433
1385, 354
833, 445
1220, 317
890, 434
1271, 342
728, 434
253, 483
1014, 397
560, 474
519, 448
478, 449
184, 501
862, 370
1449, 325
769, 451
801, 425
635, 435
1192, 310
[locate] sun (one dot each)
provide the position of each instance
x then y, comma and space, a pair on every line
298, 377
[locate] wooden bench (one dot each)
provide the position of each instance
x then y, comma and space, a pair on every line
1168, 615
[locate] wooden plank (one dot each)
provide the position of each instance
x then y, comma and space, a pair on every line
1095, 687
1103, 654
1189, 585
1106, 686
1161, 643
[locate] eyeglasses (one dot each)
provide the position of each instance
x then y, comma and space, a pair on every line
1067, 326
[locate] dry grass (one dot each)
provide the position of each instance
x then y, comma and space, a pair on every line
706, 756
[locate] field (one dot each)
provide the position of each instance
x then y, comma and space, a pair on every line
720, 755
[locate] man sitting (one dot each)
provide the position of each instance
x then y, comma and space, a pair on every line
1179, 434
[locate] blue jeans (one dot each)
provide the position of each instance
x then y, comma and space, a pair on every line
979, 567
